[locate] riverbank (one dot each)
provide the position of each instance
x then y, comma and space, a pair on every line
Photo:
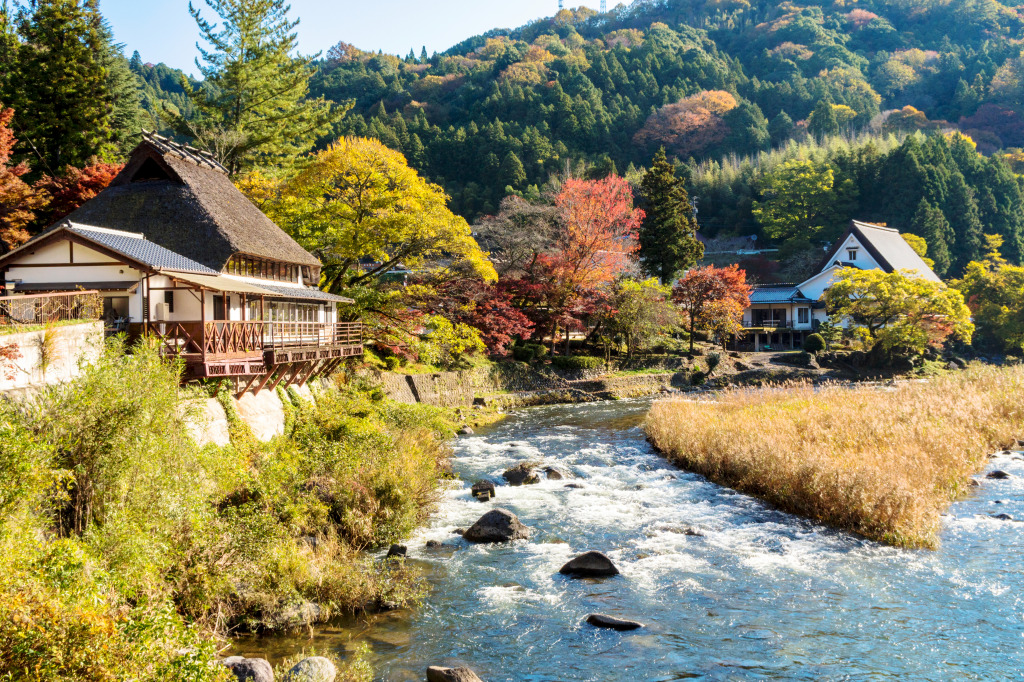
882, 463
127, 550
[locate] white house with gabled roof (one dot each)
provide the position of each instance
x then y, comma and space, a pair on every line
782, 315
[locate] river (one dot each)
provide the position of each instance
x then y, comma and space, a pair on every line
759, 595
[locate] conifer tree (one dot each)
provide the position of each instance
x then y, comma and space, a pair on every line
822, 121
668, 236
59, 87
929, 223
512, 174
255, 110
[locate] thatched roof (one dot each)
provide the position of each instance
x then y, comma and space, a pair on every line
183, 200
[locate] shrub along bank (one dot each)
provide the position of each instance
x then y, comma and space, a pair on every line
125, 549
881, 463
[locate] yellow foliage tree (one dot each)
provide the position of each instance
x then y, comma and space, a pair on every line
359, 202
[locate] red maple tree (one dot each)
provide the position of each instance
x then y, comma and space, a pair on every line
713, 298
75, 186
19, 201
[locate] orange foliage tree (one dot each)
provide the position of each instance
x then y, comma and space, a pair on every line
75, 186
713, 299
690, 126
596, 240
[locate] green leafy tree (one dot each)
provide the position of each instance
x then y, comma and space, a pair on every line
929, 223
253, 108
994, 290
668, 236
359, 200
796, 200
644, 312
899, 313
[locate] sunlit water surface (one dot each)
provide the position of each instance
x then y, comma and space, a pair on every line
761, 595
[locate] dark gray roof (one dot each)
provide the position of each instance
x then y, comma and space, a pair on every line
886, 245
775, 294
139, 249
304, 292
183, 201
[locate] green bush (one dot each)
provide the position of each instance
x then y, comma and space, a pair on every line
698, 378
539, 350
577, 363
392, 363
524, 353
814, 343
714, 359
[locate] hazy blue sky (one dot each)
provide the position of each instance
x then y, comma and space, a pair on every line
163, 31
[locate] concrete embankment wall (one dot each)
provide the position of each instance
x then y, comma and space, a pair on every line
515, 384
49, 356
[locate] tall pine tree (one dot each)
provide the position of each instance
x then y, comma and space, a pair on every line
929, 224
668, 236
255, 110
59, 87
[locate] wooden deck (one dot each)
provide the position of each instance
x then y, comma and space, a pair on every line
257, 354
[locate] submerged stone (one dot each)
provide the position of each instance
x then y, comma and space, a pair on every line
398, 551
312, 669
438, 674
599, 620
998, 475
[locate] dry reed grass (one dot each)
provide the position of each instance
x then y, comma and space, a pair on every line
881, 463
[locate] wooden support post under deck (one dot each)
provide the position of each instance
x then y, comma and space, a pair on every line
295, 374
202, 317
312, 370
283, 373
248, 386
266, 378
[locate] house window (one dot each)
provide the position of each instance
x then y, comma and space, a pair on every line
803, 315
169, 300
852, 254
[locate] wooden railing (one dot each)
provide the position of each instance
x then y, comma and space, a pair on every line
298, 334
50, 308
227, 338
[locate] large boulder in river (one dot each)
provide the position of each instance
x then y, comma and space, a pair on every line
250, 669
497, 525
997, 475
590, 565
600, 620
438, 674
522, 474
312, 669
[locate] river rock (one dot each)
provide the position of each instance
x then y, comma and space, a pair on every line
554, 474
312, 669
522, 474
575, 486
398, 551
975, 483
1003, 517
998, 475
433, 544
590, 565
250, 669
497, 525
438, 674
600, 620
483, 490
295, 615
459, 531
466, 431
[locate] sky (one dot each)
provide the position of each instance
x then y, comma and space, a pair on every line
163, 31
